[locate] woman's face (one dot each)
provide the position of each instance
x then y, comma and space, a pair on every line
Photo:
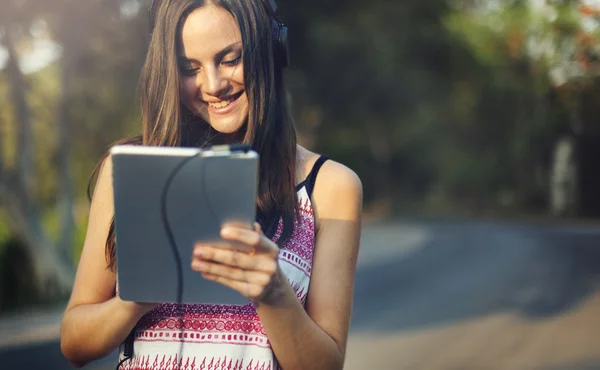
212, 69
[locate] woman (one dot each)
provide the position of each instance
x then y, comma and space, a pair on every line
213, 74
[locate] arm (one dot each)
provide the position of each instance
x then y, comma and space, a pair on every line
314, 338
96, 322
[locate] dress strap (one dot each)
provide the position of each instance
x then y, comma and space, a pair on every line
312, 176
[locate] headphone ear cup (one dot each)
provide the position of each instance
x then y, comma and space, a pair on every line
280, 44
284, 46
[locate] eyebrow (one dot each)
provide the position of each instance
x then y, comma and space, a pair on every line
228, 49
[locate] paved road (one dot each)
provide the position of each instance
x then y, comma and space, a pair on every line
450, 296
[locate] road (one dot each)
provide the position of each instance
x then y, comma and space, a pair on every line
449, 295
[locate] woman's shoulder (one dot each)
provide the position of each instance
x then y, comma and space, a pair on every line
335, 181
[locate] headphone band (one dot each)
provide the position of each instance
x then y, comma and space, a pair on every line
271, 9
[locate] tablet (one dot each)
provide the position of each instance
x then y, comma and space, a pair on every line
200, 191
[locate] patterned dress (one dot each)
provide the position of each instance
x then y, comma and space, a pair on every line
225, 337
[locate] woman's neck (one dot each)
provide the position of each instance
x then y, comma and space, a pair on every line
200, 134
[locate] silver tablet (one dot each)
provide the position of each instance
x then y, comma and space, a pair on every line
195, 192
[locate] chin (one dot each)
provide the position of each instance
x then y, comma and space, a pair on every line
226, 127
230, 124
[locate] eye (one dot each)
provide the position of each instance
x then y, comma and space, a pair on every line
188, 71
233, 62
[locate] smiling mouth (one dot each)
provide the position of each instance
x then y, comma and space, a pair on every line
224, 103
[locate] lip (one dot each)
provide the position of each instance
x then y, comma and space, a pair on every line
227, 109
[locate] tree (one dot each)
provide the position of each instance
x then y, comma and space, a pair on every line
52, 266
100, 50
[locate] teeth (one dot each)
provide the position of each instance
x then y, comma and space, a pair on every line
221, 104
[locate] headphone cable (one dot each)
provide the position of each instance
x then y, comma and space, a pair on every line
128, 345
174, 249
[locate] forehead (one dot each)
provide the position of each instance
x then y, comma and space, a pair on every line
207, 30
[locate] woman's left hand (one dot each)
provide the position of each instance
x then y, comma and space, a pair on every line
248, 263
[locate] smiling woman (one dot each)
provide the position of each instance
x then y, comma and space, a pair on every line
213, 75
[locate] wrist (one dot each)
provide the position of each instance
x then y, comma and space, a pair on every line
135, 309
281, 292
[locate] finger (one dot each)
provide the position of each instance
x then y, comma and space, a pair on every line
236, 259
246, 289
257, 228
226, 245
250, 238
237, 224
235, 234
232, 273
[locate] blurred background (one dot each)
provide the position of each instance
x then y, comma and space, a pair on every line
473, 125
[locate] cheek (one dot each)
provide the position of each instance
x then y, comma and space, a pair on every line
238, 79
189, 90
238, 76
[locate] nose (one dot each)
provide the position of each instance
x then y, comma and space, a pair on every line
213, 82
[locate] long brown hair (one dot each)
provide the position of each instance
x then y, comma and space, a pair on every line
269, 128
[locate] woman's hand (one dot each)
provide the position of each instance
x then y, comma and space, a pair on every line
247, 262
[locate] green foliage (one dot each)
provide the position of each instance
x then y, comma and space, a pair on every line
4, 231
438, 102
461, 96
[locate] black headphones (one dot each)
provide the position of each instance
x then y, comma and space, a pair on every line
279, 31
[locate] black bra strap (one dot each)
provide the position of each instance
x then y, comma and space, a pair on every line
312, 176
